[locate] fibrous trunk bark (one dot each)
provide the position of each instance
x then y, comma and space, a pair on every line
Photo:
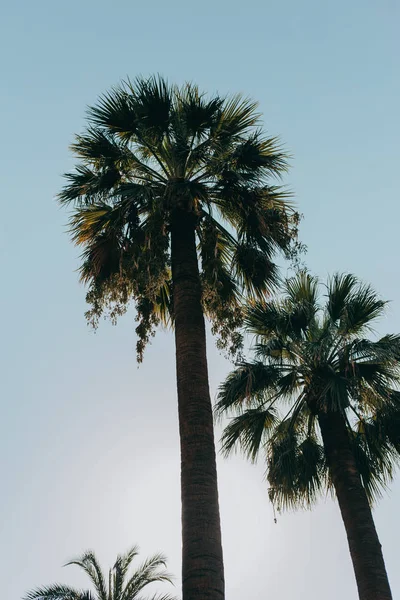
365, 548
202, 562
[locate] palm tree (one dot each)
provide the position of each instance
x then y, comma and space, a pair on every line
340, 428
119, 585
173, 211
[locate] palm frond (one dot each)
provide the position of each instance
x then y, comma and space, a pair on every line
257, 274
339, 287
302, 289
115, 112
89, 563
281, 466
237, 116
289, 383
87, 185
88, 222
127, 558
197, 112
296, 469
384, 423
250, 431
152, 99
386, 349
363, 306
280, 351
265, 318
373, 462
120, 570
248, 385
261, 215
150, 571
163, 304
216, 246
58, 592
312, 470
260, 155
100, 148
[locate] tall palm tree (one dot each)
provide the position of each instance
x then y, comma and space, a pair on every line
174, 211
119, 585
320, 400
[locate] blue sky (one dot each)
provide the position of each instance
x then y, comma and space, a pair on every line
89, 449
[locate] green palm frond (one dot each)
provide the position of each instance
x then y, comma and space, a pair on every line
256, 273
362, 308
86, 185
116, 112
216, 247
265, 318
162, 306
289, 383
100, 149
374, 462
249, 431
311, 468
257, 152
237, 116
249, 384
100, 228
339, 287
150, 571
199, 113
386, 349
120, 570
152, 101
384, 424
296, 468
101, 260
281, 465
279, 351
58, 592
88, 562
90, 221
260, 215
376, 375
302, 290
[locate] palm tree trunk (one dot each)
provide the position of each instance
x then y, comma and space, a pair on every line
365, 548
202, 562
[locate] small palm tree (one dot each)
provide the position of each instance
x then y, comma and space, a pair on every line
174, 211
119, 585
320, 400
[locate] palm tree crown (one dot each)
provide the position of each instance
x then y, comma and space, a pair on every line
153, 150
119, 585
312, 360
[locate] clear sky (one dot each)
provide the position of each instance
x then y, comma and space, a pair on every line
89, 443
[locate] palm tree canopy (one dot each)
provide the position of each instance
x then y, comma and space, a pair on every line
117, 585
313, 357
152, 149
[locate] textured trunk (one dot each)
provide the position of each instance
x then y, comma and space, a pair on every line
365, 548
202, 564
